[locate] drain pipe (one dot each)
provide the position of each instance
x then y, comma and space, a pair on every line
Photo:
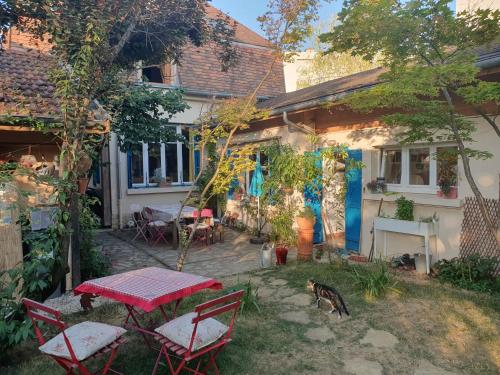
293, 126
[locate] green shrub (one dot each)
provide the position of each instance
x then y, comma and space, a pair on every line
375, 281
473, 272
94, 263
404, 210
249, 301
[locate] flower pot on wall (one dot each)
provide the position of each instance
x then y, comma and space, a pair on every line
305, 238
82, 185
281, 254
452, 194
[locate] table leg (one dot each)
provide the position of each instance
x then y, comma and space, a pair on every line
427, 260
175, 239
137, 326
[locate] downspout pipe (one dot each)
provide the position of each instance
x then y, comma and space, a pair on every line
292, 126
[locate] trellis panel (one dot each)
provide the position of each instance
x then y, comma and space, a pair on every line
475, 238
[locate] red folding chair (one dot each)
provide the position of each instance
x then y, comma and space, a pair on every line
192, 336
156, 228
76, 344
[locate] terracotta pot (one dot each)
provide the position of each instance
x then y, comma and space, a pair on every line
281, 254
305, 240
453, 194
82, 185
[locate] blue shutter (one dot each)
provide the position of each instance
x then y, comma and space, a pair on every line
129, 168
197, 160
353, 204
312, 198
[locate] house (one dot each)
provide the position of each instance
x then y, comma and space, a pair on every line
133, 175
409, 170
128, 181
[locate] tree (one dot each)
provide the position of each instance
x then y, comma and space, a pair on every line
286, 24
96, 44
325, 67
430, 55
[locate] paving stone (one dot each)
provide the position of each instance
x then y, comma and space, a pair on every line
379, 339
265, 292
361, 366
285, 291
278, 282
300, 299
424, 367
322, 334
300, 317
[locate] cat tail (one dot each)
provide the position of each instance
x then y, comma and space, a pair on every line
343, 304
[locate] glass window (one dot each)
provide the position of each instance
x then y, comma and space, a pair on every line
393, 167
137, 166
447, 164
419, 166
154, 163
171, 161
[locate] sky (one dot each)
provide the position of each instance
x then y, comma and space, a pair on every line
247, 11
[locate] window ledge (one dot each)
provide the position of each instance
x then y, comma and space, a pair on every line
159, 190
418, 198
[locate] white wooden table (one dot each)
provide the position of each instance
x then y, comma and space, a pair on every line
416, 228
168, 212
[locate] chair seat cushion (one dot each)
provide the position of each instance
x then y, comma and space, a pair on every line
200, 226
180, 331
157, 223
86, 338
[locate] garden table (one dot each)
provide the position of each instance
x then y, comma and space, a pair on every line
147, 289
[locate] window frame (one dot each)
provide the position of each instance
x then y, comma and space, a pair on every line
405, 186
180, 162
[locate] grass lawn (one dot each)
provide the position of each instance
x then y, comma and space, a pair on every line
454, 330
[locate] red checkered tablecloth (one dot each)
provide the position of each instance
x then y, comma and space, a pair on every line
148, 288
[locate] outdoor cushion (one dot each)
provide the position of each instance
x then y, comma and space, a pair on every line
180, 331
86, 338
199, 226
157, 223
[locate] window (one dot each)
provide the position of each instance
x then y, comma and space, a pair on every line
174, 160
152, 74
417, 168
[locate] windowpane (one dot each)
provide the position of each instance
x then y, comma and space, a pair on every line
419, 166
447, 164
393, 167
171, 160
136, 166
154, 159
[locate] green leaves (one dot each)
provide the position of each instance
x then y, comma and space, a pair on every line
142, 114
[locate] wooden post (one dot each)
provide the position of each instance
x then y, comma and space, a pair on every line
75, 241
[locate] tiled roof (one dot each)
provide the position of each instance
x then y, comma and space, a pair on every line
200, 70
242, 33
24, 85
325, 89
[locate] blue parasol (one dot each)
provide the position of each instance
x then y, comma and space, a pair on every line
256, 187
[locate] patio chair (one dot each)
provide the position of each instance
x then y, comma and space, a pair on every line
197, 335
204, 233
76, 344
141, 226
156, 228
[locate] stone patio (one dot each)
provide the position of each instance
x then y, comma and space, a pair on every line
234, 256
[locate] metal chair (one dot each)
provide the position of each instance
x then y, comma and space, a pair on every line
141, 226
76, 344
156, 228
197, 334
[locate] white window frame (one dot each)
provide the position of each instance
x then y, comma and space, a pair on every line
405, 186
180, 162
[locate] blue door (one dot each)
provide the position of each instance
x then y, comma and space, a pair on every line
353, 205
313, 198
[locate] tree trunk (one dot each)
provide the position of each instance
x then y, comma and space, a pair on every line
467, 170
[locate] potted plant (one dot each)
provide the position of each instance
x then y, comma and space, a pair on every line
84, 165
282, 233
305, 221
447, 188
376, 186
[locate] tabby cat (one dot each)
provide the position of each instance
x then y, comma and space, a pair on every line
328, 294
